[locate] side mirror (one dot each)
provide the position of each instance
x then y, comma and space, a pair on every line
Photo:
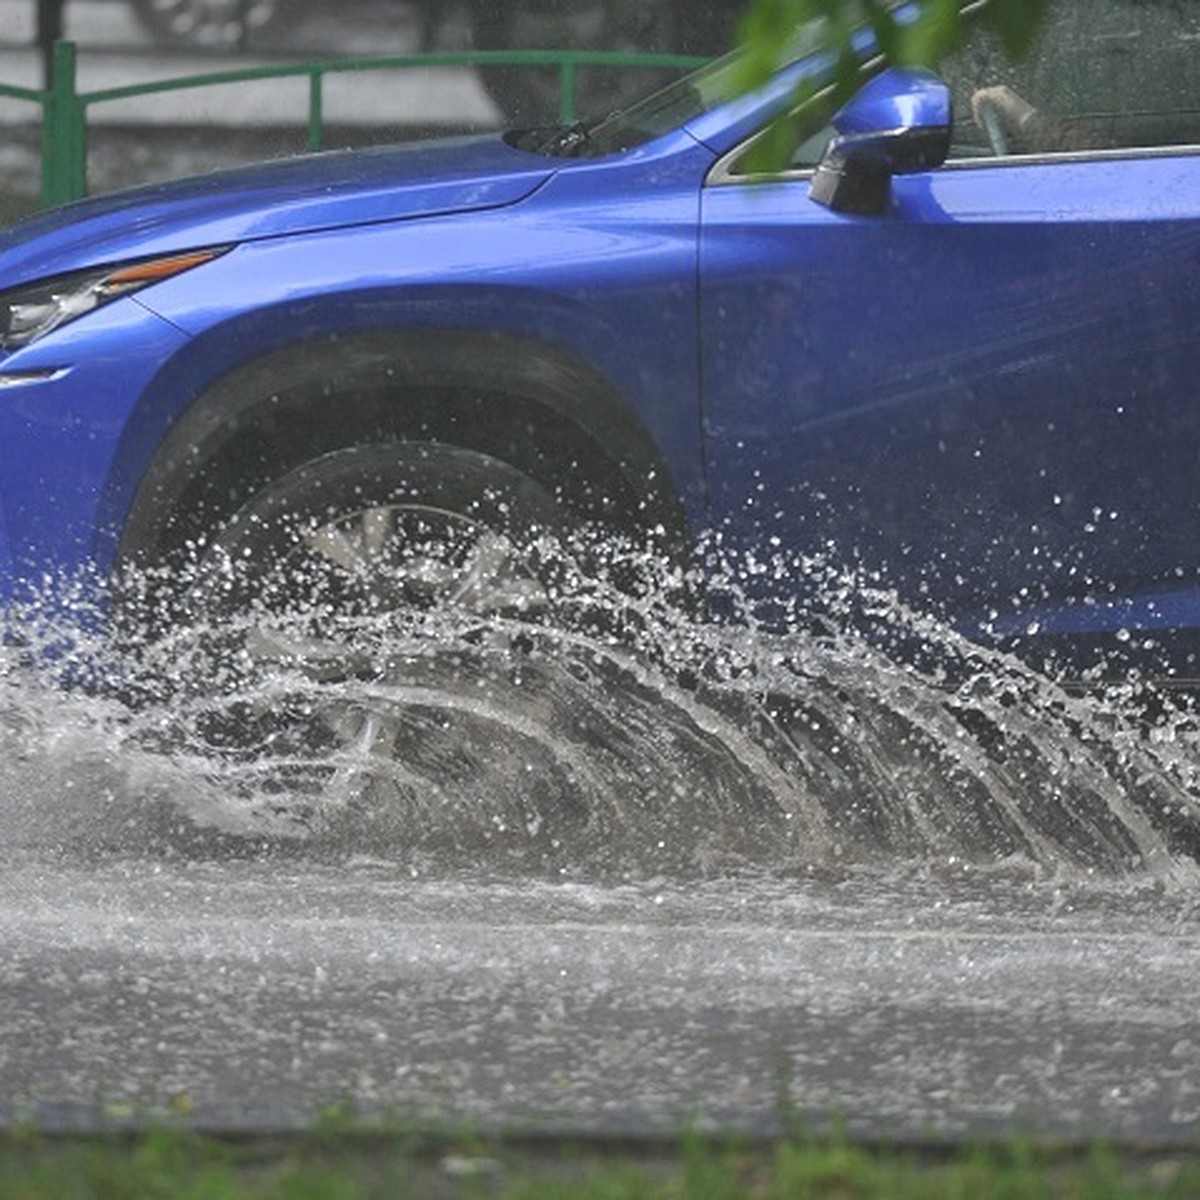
897, 124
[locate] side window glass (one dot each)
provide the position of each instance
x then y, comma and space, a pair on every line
1104, 74
808, 153
815, 133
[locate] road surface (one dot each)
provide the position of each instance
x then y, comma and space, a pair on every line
256, 990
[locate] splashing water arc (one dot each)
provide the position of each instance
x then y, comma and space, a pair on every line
703, 747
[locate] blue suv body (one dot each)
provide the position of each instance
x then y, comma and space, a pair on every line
973, 378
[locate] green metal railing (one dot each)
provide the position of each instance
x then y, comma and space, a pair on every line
65, 108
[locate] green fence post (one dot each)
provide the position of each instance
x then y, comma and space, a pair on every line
566, 100
64, 132
316, 111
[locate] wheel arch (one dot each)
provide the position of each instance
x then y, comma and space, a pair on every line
530, 405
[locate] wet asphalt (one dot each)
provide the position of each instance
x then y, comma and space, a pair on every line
257, 995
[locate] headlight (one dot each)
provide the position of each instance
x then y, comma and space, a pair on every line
31, 312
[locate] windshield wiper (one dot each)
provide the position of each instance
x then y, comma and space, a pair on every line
559, 140
567, 140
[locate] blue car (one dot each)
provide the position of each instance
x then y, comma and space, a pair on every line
952, 347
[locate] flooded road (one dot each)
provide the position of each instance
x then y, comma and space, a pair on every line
797, 883
251, 995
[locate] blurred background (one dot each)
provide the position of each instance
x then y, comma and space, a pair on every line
160, 136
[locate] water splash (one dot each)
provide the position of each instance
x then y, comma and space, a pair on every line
677, 743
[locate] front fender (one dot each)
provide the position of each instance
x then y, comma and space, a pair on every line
524, 401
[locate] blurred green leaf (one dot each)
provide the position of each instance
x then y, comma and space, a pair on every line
887, 32
768, 29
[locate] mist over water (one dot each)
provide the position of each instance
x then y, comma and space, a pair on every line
686, 747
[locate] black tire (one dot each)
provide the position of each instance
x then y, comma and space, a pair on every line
209, 24
437, 708
363, 618
529, 96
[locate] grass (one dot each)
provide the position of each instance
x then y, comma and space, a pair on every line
331, 1166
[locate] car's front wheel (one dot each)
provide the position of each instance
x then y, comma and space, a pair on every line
372, 612
387, 527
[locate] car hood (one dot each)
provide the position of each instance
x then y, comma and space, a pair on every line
289, 196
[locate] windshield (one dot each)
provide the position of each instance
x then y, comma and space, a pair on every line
670, 108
